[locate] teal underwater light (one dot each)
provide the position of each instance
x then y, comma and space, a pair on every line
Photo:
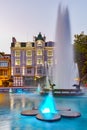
48, 106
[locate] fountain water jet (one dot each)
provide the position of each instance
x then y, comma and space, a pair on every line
63, 71
48, 105
48, 110
38, 88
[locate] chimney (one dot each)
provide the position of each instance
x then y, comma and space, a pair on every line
13, 40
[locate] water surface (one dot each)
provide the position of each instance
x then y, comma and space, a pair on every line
11, 106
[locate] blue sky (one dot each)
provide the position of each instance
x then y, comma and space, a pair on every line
24, 19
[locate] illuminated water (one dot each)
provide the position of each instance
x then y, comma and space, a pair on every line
12, 104
48, 107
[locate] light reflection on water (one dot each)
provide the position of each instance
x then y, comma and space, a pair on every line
12, 104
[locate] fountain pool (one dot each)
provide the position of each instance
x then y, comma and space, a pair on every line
11, 106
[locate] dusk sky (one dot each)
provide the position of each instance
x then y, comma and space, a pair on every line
24, 19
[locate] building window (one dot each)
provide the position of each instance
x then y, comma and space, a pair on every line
33, 45
18, 81
29, 62
29, 53
29, 71
39, 71
3, 64
1, 72
23, 44
18, 70
17, 62
50, 61
17, 53
39, 52
5, 72
39, 61
46, 44
50, 53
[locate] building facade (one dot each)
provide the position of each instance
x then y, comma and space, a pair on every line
29, 59
5, 69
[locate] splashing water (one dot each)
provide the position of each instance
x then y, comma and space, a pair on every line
48, 107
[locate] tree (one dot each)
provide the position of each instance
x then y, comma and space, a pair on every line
80, 48
5, 83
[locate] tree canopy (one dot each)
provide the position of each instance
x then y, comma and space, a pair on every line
80, 48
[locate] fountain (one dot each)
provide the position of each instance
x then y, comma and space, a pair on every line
38, 89
48, 110
48, 105
10, 90
47, 82
63, 70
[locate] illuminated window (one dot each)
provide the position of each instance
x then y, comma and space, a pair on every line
17, 44
28, 53
50, 61
17, 53
39, 61
50, 53
29, 62
5, 72
17, 62
39, 43
39, 52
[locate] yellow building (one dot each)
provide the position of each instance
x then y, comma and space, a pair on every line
5, 69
